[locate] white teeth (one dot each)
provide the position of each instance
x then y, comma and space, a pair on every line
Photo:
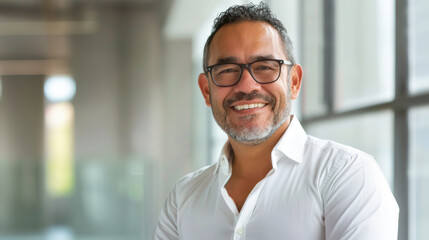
249, 106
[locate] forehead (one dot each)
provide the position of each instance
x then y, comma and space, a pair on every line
246, 41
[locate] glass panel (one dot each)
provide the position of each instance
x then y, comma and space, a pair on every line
312, 58
364, 52
110, 201
419, 48
371, 133
419, 173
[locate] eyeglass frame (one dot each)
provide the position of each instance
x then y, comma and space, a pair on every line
247, 66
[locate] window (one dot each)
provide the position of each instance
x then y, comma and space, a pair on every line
373, 89
419, 49
312, 58
419, 173
364, 52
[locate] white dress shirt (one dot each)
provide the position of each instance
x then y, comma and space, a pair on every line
317, 189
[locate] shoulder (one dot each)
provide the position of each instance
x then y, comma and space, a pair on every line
198, 179
337, 161
354, 191
331, 155
332, 149
343, 166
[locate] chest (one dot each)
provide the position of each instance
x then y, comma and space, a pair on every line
239, 189
282, 209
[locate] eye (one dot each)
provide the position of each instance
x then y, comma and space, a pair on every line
263, 67
228, 70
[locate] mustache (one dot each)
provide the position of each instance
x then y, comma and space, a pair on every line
247, 96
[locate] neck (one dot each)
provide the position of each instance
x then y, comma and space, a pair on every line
255, 160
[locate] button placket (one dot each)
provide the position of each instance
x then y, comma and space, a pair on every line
247, 210
239, 233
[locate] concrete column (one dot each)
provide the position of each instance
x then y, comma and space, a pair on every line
21, 153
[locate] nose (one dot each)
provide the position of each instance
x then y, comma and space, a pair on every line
246, 84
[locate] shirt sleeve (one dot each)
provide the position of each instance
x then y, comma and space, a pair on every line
166, 228
358, 203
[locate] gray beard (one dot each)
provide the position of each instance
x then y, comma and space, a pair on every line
257, 135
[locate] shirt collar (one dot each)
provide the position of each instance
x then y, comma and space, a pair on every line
225, 157
291, 145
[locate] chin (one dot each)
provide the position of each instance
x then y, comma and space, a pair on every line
251, 136
252, 142
254, 135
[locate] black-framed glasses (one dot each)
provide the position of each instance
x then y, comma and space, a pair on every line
263, 71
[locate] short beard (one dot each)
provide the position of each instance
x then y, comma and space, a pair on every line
253, 135
257, 135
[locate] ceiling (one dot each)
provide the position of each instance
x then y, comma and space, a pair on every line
34, 33
13, 7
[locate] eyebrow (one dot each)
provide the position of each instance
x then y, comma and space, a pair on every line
227, 60
261, 57
252, 59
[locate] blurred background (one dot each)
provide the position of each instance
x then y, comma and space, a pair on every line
100, 112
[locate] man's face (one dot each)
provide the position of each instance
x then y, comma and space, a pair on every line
248, 112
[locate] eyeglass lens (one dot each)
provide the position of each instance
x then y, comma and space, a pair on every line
262, 71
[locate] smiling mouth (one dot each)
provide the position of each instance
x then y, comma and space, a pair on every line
249, 106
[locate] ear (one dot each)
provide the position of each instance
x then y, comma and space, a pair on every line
204, 87
295, 81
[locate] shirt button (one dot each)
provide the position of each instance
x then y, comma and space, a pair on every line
240, 231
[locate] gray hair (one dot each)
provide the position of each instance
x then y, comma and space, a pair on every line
250, 12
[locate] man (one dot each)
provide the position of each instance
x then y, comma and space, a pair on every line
272, 180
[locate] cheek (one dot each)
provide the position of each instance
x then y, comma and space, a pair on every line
218, 96
279, 92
